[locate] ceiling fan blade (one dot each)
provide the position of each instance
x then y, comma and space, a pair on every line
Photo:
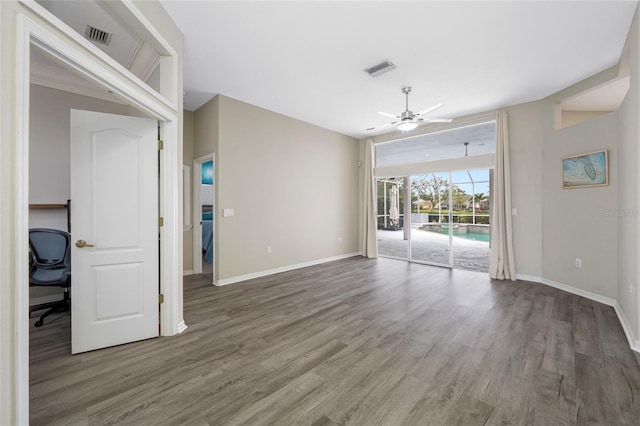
386, 114
436, 120
380, 127
428, 110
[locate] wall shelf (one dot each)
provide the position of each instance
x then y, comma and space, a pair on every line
43, 206
47, 206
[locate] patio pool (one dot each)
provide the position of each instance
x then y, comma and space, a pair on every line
473, 236
468, 235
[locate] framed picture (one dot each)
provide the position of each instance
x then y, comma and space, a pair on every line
585, 170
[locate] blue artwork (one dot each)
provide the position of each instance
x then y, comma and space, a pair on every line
585, 170
207, 173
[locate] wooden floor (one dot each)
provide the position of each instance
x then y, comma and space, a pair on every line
359, 342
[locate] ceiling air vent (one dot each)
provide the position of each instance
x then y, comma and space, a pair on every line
381, 68
97, 35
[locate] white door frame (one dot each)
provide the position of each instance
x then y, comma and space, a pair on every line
197, 213
40, 28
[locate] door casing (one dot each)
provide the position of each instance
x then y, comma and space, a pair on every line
57, 39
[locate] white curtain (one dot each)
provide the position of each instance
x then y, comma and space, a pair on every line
369, 243
502, 265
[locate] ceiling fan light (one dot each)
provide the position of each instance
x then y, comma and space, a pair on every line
406, 126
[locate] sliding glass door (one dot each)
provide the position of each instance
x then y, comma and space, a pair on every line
433, 196
470, 201
393, 241
444, 220
431, 233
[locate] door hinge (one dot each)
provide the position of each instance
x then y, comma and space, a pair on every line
160, 298
160, 144
161, 221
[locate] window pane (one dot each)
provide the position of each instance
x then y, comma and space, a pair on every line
392, 240
430, 219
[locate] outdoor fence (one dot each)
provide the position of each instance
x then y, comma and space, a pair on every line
422, 218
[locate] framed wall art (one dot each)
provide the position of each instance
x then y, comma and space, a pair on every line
585, 170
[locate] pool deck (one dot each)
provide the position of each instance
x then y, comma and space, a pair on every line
470, 255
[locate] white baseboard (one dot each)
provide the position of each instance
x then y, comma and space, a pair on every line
574, 290
531, 278
187, 272
580, 292
45, 299
246, 277
634, 344
633, 341
182, 327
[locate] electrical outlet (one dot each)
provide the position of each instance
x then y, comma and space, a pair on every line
269, 250
578, 263
339, 240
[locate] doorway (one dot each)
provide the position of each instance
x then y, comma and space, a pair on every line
450, 219
80, 56
439, 218
50, 164
204, 216
393, 224
439, 181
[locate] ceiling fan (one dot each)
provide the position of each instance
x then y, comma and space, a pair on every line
410, 120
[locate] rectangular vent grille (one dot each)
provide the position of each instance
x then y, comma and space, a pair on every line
381, 68
97, 35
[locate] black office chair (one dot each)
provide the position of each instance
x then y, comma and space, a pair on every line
50, 265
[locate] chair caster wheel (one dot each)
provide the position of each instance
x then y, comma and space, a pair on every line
38, 323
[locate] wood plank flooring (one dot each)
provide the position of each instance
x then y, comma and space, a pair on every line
352, 342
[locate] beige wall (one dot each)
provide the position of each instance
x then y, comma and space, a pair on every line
628, 208
206, 130
575, 224
574, 220
526, 130
569, 118
293, 187
205, 142
554, 226
187, 158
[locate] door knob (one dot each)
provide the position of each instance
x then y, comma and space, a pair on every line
83, 243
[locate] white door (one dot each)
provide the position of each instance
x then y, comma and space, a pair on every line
114, 231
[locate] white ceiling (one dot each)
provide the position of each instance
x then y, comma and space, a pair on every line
126, 46
306, 59
480, 139
79, 14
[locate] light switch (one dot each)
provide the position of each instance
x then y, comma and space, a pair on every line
514, 212
227, 212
